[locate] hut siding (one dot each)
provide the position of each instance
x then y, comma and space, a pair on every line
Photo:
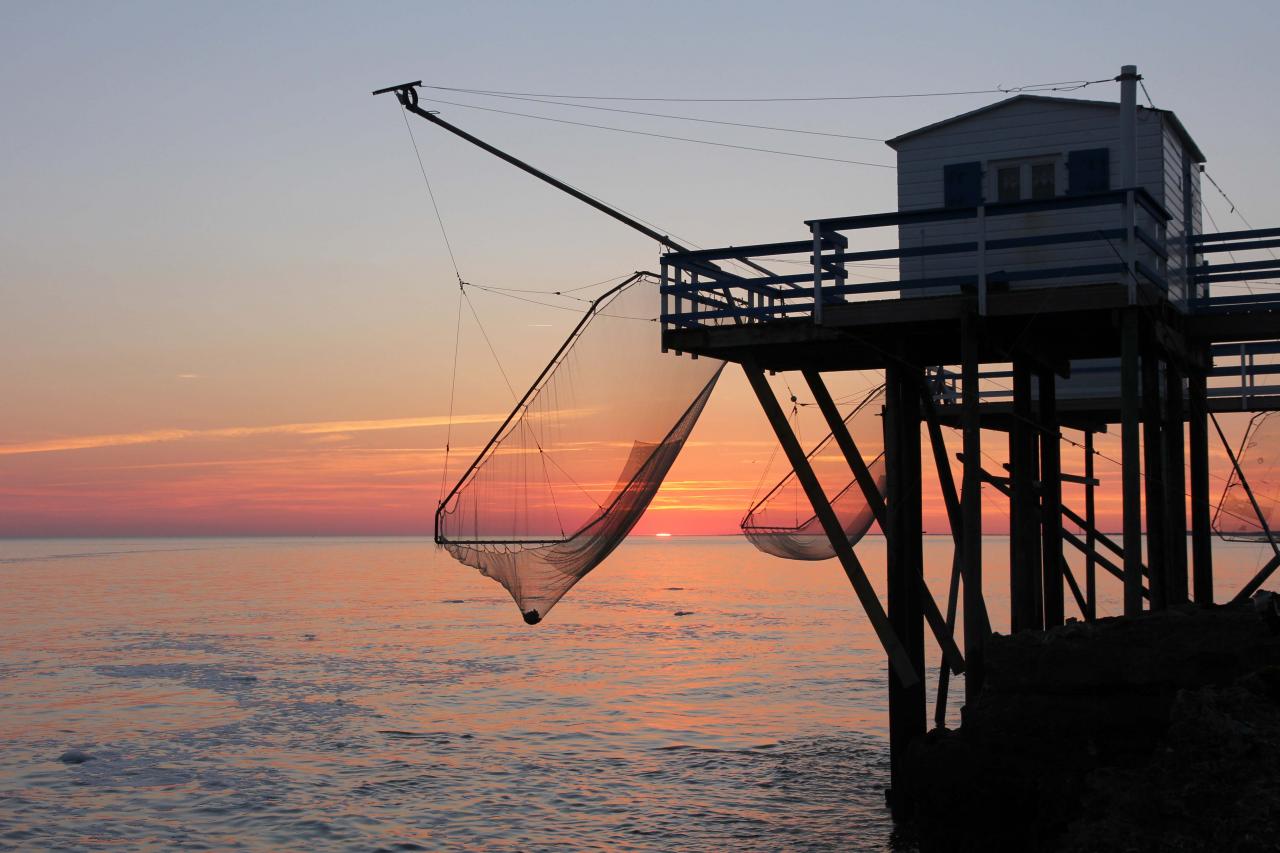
1021, 130
1025, 130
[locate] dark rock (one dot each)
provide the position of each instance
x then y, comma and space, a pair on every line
75, 756
1092, 733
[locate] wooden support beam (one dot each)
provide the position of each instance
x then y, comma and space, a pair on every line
1075, 588
1068, 537
1130, 460
1108, 566
904, 535
944, 672
943, 632
1152, 464
852, 456
1004, 485
1091, 523
899, 661
946, 479
1198, 446
1051, 503
977, 624
1259, 579
1024, 540
1175, 488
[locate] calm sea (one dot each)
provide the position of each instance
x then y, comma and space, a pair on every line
310, 694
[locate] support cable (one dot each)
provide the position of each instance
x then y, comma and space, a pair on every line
541, 100
457, 331
664, 135
1061, 86
431, 193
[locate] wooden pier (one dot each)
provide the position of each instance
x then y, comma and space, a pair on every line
1178, 360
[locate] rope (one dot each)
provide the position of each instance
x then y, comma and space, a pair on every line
431, 193
457, 330
453, 387
492, 351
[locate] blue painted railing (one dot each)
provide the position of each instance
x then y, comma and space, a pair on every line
713, 287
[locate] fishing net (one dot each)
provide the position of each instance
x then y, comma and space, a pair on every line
1259, 458
783, 523
575, 465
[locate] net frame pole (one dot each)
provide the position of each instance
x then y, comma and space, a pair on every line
899, 661
439, 536
1261, 577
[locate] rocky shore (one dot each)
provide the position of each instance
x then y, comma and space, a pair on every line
1155, 732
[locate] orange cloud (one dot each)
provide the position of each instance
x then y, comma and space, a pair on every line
89, 442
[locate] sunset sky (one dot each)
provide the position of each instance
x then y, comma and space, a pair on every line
227, 305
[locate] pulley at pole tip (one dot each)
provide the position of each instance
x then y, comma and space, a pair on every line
407, 93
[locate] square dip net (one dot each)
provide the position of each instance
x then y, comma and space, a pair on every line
577, 462
783, 523
1235, 518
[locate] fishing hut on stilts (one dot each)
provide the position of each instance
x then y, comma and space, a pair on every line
1051, 245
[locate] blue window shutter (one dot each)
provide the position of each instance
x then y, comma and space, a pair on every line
962, 184
1088, 171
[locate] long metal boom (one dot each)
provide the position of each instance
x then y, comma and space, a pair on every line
408, 95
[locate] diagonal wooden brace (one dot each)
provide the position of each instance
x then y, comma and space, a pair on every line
898, 658
942, 628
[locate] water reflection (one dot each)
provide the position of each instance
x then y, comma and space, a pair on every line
331, 693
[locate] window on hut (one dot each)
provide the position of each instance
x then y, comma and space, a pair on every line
1029, 178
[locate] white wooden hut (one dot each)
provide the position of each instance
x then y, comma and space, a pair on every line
1037, 147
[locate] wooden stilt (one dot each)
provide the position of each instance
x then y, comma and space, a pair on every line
904, 535
976, 624
1152, 466
1051, 502
1175, 488
1024, 539
899, 660
1130, 461
1090, 514
1198, 441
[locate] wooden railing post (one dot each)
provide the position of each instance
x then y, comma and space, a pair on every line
1131, 460
982, 259
1130, 224
816, 228
666, 303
